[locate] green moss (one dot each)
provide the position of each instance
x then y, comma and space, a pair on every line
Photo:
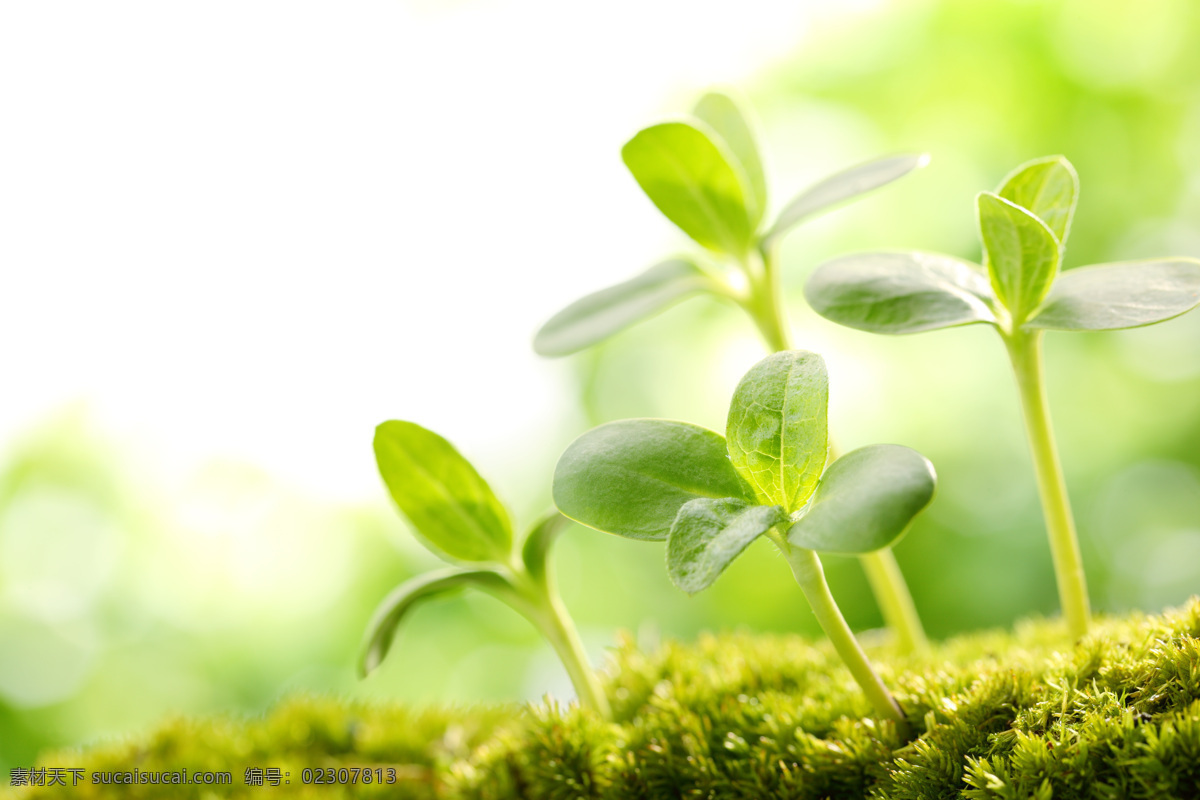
997, 715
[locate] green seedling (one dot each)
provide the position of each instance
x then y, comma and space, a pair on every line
710, 496
453, 512
1020, 292
706, 176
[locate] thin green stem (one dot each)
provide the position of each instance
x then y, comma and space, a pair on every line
549, 614
895, 601
806, 567
765, 302
765, 306
1025, 352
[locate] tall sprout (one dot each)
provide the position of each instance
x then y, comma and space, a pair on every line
705, 174
1021, 291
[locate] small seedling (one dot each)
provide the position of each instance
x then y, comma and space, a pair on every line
710, 496
453, 512
1020, 292
706, 176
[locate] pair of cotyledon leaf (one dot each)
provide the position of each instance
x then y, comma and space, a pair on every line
1021, 286
710, 496
454, 512
706, 176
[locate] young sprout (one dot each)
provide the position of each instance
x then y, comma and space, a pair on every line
710, 496
706, 176
453, 512
1020, 292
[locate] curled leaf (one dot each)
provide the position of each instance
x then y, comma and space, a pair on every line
537, 545
387, 617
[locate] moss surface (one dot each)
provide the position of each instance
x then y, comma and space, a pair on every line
998, 715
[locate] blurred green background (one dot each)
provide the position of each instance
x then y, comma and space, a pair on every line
98, 635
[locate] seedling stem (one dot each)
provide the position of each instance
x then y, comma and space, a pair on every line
764, 305
806, 567
894, 599
553, 620
1025, 351
453, 511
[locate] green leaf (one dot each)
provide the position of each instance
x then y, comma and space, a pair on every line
1049, 188
843, 186
632, 476
721, 113
777, 429
694, 182
1021, 254
1125, 295
451, 508
866, 500
900, 292
709, 534
598, 316
537, 545
387, 617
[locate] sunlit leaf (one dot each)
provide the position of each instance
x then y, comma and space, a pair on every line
391, 612
695, 182
631, 477
1124, 295
596, 317
843, 186
1020, 252
777, 429
900, 292
866, 500
451, 508
721, 113
1049, 188
709, 534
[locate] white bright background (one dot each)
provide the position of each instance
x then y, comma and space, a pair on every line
235, 236
253, 230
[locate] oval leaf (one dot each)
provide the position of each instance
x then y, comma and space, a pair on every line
632, 476
450, 507
537, 545
843, 186
1048, 187
900, 292
866, 500
1020, 252
721, 113
694, 183
598, 316
709, 534
777, 430
1125, 295
387, 617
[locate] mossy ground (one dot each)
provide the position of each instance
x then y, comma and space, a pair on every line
996, 715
